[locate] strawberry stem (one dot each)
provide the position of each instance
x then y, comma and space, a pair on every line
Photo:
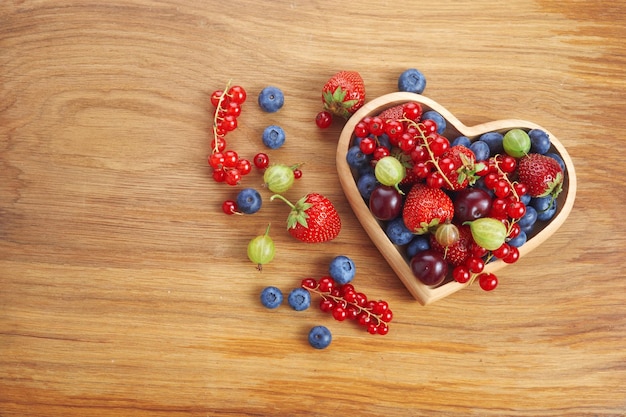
280, 197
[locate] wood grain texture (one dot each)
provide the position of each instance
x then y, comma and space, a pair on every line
125, 291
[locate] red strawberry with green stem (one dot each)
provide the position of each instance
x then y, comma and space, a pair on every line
313, 218
542, 175
342, 95
465, 167
425, 208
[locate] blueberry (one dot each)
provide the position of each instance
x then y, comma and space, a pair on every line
462, 141
342, 269
356, 158
249, 201
418, 244
525, 198
539, 141
549, 209
558, 159
518, 240
273, 137
481, 150
412, 81
366, 184
271, 297
397, 232
299, 299
529, 218
384, 141
320, 337
271, 99
541, 203
437, 118
494, 140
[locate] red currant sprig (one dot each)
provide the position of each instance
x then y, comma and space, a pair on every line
226, 164
344, 302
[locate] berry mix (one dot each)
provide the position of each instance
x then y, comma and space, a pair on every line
451, 204
338, 297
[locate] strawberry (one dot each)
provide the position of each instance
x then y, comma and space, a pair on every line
313, 218
343, 93
458, 252
425, 208
465, 170
393, 113
542, 175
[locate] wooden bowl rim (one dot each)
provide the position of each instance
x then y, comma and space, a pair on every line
422, 293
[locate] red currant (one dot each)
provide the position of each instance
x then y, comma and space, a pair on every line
394, 128
435, 180
439, 145
516, 210
512, 256
412, 111
502, 251
475, 264
215, 97
230, 159
228, 123
323, 119
507, 163
297, 173
216, 160
487, 281
407, 143
244, 166
367, 145
361, 130
218, 144
461, 274
219, 175
428, 127
233, 109
376, 126
326, 284
261, 160
233, 176
326, 304
502, 188
229, 207
237, 94
309, 283
339, 313
380, 152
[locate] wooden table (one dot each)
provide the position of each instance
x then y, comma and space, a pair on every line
125, 291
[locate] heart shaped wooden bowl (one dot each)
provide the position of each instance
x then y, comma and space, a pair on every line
396, 256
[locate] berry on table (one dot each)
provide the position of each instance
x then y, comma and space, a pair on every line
261, 160
271, 99
271, 297
279, 178
299, 299
274, 137
342, 269
412, 81
230, 207
320, 337
249, 201
343, 94
261, 249
312, 219
324, 119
